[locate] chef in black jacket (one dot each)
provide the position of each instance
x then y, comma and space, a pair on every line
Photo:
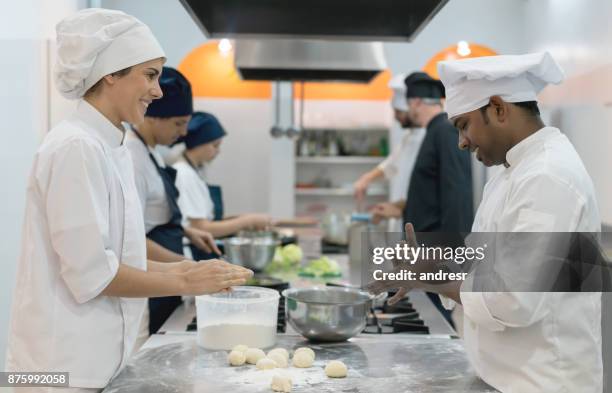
439, 196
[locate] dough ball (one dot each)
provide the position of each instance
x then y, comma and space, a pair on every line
265, 364
305, 349
278, 358
253, 355
281, 351
281, 383
302, 359
336, 369
240, 347
236, 358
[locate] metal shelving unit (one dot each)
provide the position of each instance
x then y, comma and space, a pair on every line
335, 192
340, 160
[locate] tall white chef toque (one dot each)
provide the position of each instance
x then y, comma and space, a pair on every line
469, 83
95, 42
397, 85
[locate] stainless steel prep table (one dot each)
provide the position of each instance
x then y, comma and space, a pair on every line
392, 363
173, 362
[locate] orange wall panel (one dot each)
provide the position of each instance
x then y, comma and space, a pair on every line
450, 53
212, 75
377, 89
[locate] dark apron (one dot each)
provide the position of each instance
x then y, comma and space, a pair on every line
170, 236
217, 198
215, 195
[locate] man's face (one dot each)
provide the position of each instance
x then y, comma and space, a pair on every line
168, 130
403, 118
481, 133
415, 106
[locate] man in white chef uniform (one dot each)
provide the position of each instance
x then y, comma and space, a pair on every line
522, 342
397, 167
83, 275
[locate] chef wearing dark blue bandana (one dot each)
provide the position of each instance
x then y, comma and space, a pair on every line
199, 201
165, 121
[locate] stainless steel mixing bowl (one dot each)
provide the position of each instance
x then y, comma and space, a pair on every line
327, 313
251, 251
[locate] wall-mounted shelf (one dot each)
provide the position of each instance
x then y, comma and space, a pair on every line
381, 129
335, 192
340, 160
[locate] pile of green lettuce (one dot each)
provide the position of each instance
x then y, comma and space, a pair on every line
286, 259
322, 267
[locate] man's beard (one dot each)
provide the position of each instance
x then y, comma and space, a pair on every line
408, 123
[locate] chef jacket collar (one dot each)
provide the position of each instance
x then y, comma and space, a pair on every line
441, 117
100, 125
524, 147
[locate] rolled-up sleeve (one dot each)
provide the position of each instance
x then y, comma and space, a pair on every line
389, 165
78, 210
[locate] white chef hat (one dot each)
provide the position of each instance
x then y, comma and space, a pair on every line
398, 101
471, 82
95, 42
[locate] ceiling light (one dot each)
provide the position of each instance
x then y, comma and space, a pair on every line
225, 46
463, 49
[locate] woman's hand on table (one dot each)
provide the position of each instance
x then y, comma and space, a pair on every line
182, 266
212, 276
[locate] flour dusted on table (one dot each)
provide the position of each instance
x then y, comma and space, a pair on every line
227, 336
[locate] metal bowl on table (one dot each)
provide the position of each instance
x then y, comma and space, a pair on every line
327, 313
253, 250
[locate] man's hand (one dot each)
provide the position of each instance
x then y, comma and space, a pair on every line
360, 187
202, 240
403, 287
384, 211
213, 276
449, 289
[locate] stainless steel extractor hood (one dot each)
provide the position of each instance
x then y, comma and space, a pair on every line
309, 60
360, 20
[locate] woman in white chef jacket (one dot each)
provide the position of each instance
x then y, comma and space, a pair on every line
83, 276
202, 144
522, 341
397, 167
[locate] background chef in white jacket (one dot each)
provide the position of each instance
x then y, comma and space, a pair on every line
83, 276
397, 167
523, 341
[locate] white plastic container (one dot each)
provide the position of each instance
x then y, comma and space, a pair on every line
247, 315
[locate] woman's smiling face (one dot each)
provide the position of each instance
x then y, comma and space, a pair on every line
132, 93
